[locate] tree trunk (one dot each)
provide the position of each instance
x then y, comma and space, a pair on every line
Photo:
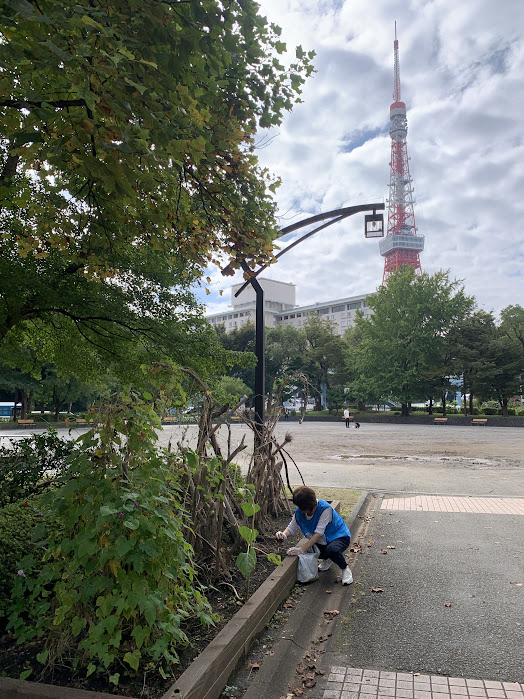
430, 411
405, 410
505, 407
444, 404
471, 403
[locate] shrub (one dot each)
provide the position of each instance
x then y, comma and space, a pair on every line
491, 411
30, 463
117, 584
520, 413
17, 521
512, 411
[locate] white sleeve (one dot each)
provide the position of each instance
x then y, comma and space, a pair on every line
293, 527
324, 519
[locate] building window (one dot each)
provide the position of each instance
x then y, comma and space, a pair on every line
286, 317
343, 323
356, 304
230, 324
299, 322
292, 316
241, 315
299, 315
337, 309
230, 316
236, 315
224, 317
323, 311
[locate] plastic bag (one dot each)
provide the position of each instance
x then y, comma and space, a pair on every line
307, 570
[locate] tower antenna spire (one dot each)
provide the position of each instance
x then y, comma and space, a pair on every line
401, 246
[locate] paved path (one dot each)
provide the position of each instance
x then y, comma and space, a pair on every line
438, 604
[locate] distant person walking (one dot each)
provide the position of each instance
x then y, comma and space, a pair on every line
286, 414
347, 416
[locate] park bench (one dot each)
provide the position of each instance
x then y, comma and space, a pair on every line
480, 421
26, 423
169, 420
81, 421
235, 418
440, 420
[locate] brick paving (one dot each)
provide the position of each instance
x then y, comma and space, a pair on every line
441, 503
355, 683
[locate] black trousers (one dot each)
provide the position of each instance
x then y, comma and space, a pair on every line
334, 550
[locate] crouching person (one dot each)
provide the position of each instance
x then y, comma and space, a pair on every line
323, 526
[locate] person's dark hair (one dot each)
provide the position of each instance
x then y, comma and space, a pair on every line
304, 498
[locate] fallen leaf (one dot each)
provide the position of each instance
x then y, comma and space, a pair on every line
253, 666
332, 614
298, 692
516, 583
309, 683
328, 592
448, 604
287, 605
383, 551
392, 547
377, 589
319, 672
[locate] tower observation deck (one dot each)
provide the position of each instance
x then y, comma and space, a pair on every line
401, 246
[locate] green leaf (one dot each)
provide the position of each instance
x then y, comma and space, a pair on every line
25, 674
274, 558
114, 678
90, 669
147, 395
140, 633
133, 659
246, 563
250, 508
248, 534
105, 511
89, 22
131, 523
42, 657
192, 460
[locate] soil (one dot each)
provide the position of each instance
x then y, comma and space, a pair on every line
225, 597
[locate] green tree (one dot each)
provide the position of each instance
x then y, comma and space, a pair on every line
285, 348
512, 324
404, 341
323, 360
131, 125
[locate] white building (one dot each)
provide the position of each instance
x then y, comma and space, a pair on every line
280, 308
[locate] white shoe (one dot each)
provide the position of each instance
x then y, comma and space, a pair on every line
347, 576
325, 565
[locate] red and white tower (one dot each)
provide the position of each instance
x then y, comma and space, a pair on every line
401, 246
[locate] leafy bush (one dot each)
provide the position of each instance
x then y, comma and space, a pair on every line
512, 411
520, 413
117, 584
30, 463
17, 521
491, 411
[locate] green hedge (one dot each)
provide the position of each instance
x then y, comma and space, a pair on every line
17, 521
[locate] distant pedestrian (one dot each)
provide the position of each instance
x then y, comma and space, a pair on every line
347, 416
286, 414
357, 425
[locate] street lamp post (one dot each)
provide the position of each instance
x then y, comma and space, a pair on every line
373, 228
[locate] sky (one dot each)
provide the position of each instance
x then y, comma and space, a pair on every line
462, 79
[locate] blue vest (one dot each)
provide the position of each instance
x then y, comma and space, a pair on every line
334, 530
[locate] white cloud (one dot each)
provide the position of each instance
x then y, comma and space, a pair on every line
461, 68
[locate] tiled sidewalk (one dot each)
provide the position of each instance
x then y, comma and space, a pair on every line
354, 683
442, 503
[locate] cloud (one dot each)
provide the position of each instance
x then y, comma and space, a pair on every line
461, 67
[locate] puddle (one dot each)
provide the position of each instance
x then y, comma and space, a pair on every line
464, 461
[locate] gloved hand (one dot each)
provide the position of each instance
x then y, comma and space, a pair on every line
280, 537
294, 551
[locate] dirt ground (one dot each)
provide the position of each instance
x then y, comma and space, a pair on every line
476, 460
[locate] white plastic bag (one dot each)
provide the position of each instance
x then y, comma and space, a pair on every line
307, 570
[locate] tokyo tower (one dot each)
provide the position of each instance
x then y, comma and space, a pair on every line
401, 246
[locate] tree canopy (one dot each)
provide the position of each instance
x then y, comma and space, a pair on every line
127, 164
